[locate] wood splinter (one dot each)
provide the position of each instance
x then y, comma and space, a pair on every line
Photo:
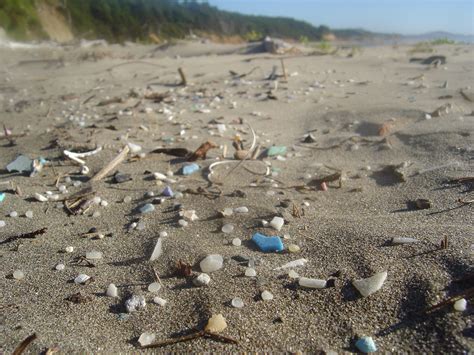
192, 336
183, 77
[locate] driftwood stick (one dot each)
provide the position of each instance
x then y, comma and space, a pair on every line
24, 344
183, 77
285, 76
112, 165
175, 340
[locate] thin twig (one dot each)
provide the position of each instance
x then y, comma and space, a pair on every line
183, 77
30, 235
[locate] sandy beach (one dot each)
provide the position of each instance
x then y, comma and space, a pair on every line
376, 129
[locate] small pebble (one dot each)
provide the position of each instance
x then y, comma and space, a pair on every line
250, 272
96, 200
163, 234
154, 287
112, 291
40, 197
134, 303
2, 224
18, 275
366, 345
147, 208
60, 267
211, 263
94, 255
183, 223
159, 301
236, 242
202, 280
237, 302
69, 249
216, 324
267, 296
227, 228
293, 248
127, 199
242, 209
104, 203
460, 305
227, 212
14, 214
277, 223
96, 214
29, 214
146, 338
292, 274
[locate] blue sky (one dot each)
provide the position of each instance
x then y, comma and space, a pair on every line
401, 16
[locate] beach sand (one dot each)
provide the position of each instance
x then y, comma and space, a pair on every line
344, 233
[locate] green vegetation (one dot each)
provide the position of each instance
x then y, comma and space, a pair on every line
120, 20
421, 47
441, 41
18, 18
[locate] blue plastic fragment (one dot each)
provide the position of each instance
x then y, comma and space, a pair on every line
167, 192
366, 345
189, 169
2, 196
268, 244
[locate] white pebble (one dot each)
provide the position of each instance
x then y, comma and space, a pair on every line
60, 267
460, 305
40, 197
154, 287
134, 303
94, 255
146, 338
183, 223
69, 249
236, 242
250, 272
29, 214
18, 275
96, 214
267, 296
163, 234
292, 274
104, 203
227, 212
127, 199
2, 224
112, 291
237, 302
159, 301
227, 228
202, 280
96, 200
13, 214
211, 263
242, 209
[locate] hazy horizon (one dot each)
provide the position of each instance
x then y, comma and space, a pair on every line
386, 16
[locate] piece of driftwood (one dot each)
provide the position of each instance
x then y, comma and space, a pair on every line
183, 77
24, 344
112, 165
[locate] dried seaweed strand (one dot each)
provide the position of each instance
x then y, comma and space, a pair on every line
30, 235
24, 344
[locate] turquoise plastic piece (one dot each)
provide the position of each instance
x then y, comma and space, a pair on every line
268, 244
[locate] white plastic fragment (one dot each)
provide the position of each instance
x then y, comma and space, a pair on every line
292, 264
159, 301
81, 279
18, 275
242, 209
69, 249
277, 223
134, 303
211, 263
134, 148
112, 291
371, 284
311, 283
76, 156
292, 274
60, 267
403, 240
157, 250
29, 214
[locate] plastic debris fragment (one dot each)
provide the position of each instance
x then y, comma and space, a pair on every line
189, 169
268, 244
371, 284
